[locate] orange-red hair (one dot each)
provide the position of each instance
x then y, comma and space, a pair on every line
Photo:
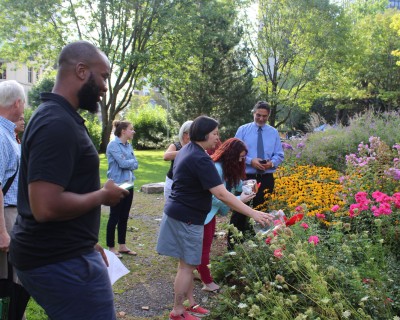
229, 155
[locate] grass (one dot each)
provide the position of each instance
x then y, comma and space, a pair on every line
152, 167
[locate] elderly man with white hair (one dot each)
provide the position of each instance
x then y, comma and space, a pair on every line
12, 101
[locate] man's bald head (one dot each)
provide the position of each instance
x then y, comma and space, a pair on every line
79, 51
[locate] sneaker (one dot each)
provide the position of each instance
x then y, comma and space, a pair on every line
183, 316
198, 311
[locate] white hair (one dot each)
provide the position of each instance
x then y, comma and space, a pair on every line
184, 128
10, 92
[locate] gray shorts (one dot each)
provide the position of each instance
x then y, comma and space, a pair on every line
180, 240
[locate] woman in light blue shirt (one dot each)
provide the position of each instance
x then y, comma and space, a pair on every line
121, 163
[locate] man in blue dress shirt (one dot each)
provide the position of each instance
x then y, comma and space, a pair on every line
12, 102
264, 156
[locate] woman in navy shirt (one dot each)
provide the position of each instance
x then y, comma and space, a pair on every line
121, 163
195, 180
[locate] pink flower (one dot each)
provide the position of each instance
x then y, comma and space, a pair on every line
361, 197
313, 239
268, 240
278, 253
396, 199
384, 208
299, 209
304, 225
380, 196
335, 208
320, 216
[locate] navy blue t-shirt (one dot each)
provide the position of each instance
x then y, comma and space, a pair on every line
56, 148
194, 174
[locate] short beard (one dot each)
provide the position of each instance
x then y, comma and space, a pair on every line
88, 96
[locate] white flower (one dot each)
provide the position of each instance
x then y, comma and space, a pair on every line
364, 299
325, 300
242, 305
232, 253
233, 287
396, 318
346, 314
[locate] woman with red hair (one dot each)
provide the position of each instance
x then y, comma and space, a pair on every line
229, 160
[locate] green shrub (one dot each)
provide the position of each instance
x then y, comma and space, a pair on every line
150, 123
94, 127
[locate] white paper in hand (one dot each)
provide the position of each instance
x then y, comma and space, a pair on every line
116, 268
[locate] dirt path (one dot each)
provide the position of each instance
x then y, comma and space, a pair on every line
147, 291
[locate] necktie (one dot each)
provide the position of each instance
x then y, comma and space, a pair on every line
260, 144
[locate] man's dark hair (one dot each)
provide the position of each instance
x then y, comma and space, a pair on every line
201, 127
261, 105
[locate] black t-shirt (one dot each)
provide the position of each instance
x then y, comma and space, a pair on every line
178, 147
194, 175
56, 148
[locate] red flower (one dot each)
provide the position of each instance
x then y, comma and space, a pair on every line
296, 218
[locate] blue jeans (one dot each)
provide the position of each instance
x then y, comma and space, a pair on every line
75, 289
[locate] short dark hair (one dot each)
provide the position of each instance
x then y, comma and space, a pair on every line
201, 127
261, 105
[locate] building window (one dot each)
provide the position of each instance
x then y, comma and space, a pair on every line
3, 71
30, 74
37, 74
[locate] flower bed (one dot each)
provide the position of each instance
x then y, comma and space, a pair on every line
337, 255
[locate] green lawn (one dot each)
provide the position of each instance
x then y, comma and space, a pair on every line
152, 167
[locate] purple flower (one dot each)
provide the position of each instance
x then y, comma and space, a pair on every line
286, 146
301, 145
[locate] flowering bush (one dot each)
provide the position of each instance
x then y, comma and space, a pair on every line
330, 147
337, 254
375, 167
306, 271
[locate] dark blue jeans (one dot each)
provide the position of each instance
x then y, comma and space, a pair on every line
77, 289
119, 215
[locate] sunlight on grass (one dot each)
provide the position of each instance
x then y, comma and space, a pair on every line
152, 167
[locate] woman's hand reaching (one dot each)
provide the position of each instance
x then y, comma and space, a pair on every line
246, 197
